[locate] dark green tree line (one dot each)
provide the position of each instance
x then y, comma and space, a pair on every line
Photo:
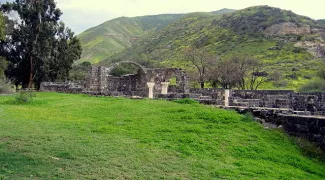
40, 47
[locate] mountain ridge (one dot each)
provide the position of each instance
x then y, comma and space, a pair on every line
115, 35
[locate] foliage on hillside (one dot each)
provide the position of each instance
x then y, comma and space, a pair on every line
223, 11
321, 21
317, 85
237, 33
258, 18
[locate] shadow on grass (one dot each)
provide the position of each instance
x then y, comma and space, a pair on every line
13, 101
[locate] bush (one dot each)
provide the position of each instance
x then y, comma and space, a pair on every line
314, 86
25, 96
6, 88
186, 101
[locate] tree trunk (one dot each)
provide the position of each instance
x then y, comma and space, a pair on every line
202, 85
30, 80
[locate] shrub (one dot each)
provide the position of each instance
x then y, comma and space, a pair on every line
186, 101
6, 88
25, 96
314, 86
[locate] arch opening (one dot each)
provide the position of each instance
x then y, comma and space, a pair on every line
126, 78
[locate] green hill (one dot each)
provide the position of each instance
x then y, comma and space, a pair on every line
69, 136
115, 35
283, 40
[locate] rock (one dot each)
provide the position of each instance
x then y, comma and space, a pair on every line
287, 28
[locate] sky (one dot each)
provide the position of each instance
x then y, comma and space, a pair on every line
80, 15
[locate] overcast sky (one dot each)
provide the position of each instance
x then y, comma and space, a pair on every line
80, 15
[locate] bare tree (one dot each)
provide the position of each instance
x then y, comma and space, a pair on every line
202, 61
242, 72
223, 74
257, 75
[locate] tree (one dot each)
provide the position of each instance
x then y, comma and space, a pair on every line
242, 72
3, 61
257, 77
3, 67
78, 72
68, 50
224, 74
202, 61
39, 48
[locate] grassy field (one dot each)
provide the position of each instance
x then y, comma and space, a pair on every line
64, 136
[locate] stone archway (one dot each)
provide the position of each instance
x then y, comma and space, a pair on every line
100, 81
112, 66
130, 84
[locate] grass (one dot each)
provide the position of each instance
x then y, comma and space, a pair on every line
64, 136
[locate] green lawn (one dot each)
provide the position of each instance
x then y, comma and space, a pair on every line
64, 136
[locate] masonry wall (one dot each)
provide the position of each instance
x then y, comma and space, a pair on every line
313, 102
310, 128
69, 87
217, 95
128, 85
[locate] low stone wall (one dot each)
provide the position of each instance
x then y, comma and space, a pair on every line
213, 94
75, 87
261, 98
313, 102
311, 128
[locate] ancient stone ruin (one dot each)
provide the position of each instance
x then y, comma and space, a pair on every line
147, 82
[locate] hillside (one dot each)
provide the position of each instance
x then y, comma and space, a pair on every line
291, 46
321, 21
115, 35
69, 136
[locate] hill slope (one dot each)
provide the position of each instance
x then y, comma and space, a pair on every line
283, 40
66, 136
115, 35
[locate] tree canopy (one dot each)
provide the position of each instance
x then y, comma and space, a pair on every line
40, 47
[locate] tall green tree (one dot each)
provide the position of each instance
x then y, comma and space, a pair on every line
40, 47
3, 62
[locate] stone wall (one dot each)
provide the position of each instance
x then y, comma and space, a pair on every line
69, 87
309, 127
312, 102
261, 98
216, 94
128, 85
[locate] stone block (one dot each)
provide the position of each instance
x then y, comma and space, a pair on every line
321, 123
322, 130
313, 129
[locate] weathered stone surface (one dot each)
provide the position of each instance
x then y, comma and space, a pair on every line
69, 87
287, 28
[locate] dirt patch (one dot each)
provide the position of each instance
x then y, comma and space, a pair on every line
4, 139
